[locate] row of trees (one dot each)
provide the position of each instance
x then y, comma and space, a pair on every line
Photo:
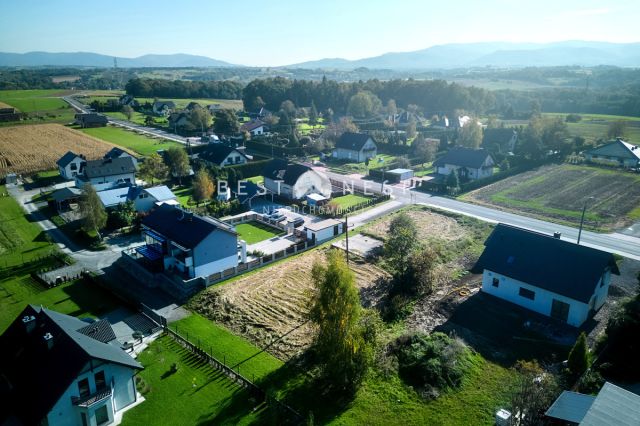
149, 88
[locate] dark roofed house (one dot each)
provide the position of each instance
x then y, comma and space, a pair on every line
294, 181
468, 163
71, 165
163, 108
612, 406
615, 153
194, 245
499, 139
255, 127
221, 155
355, 147
91, 119
116, 152
109, 170
9, 114
58, 370
556, 278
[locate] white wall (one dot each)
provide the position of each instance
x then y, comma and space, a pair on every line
508, 290
114, 178
323, 234
311, 182
66, 171
278, 187
64, 413
217, 252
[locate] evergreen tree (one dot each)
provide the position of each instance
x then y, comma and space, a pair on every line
453, 182
313, 114
578, 360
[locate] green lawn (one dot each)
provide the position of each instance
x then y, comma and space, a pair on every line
184, 195
138, 143
253, 232
33, 100
349, 200
594, 126
20, 239
195, 394
256, 179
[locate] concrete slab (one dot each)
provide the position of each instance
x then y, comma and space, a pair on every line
360, 245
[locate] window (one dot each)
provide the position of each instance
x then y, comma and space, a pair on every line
496, 282
101, 382
102, 415
526, 293
83, 387
74, 166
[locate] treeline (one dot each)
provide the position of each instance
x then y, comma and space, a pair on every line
149, 88
432, 96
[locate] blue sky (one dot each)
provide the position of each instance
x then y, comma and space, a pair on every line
283, 32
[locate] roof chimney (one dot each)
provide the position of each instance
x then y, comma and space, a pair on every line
48, 338
29, 322
557, 235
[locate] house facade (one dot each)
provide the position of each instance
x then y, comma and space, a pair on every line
357, 147
324, 230
116, 152
617, 153
144, 199
186, 243
295, 181
108, 171
468, 163
254, 127
71, 165
70, 372
542, 273
222, 156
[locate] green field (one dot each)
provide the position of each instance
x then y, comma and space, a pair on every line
138, 143
559, 193
254, 232
593, 127
349, 200
195, 394
33, 100
180, 103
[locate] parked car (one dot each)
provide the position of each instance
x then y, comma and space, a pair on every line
298, 221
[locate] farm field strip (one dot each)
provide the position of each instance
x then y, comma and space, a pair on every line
32, 148
143, 145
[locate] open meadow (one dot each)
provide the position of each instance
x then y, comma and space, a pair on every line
141, 144
559, 193
38, 105
35, 148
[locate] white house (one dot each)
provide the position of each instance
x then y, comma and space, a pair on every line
196, 246
116, 152
295, 181
616, 153
324, 230
355, 147
468, 163
221, 155
57, 370
144, 199
109, 170
163, 108
254, 127
71, 165
545, 274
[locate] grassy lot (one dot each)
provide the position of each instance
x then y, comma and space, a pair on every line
559, 193
33, 100
77, 298
256, 179
594, 126
184, 194
195, 394
254, 232
140, 144
349, 200
382, 160
20, 239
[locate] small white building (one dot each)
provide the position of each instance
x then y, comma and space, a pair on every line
295, 181
542, 273
324, 230
57, 370
356, 147
71, 165
194, 245
254, 127
468, 163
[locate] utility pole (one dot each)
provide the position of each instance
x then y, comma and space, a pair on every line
584, 209
346, 230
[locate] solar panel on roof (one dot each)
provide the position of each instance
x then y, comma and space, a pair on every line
149, 252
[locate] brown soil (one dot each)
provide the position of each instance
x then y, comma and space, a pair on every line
429, 225
275, 301
34, 148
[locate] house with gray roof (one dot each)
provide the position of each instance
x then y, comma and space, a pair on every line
144, 199
91, 119
612, 406
120, 170
468, 163
58, 370
295, 181
222, 155
545, 274
356, 147
186, 243
615, 153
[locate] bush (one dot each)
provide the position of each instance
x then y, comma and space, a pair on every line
578, 361
432, 362
573, 118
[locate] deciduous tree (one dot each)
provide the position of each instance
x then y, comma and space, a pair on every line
617, 129
470, 134
127, 111
94, 216
425, 149
364, 104
153, 168
178, 162
401, 242
226, 122
202, 186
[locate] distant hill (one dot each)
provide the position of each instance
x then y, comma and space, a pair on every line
88, 59
449, 56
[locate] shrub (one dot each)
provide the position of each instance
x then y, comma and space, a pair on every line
432, 362
573, 118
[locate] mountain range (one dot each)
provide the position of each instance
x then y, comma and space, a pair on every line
446, 56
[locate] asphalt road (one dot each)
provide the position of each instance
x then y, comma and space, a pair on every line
621, 244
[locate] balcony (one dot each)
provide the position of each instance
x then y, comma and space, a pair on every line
89, 400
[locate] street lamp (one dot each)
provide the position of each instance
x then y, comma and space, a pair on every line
584, 209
